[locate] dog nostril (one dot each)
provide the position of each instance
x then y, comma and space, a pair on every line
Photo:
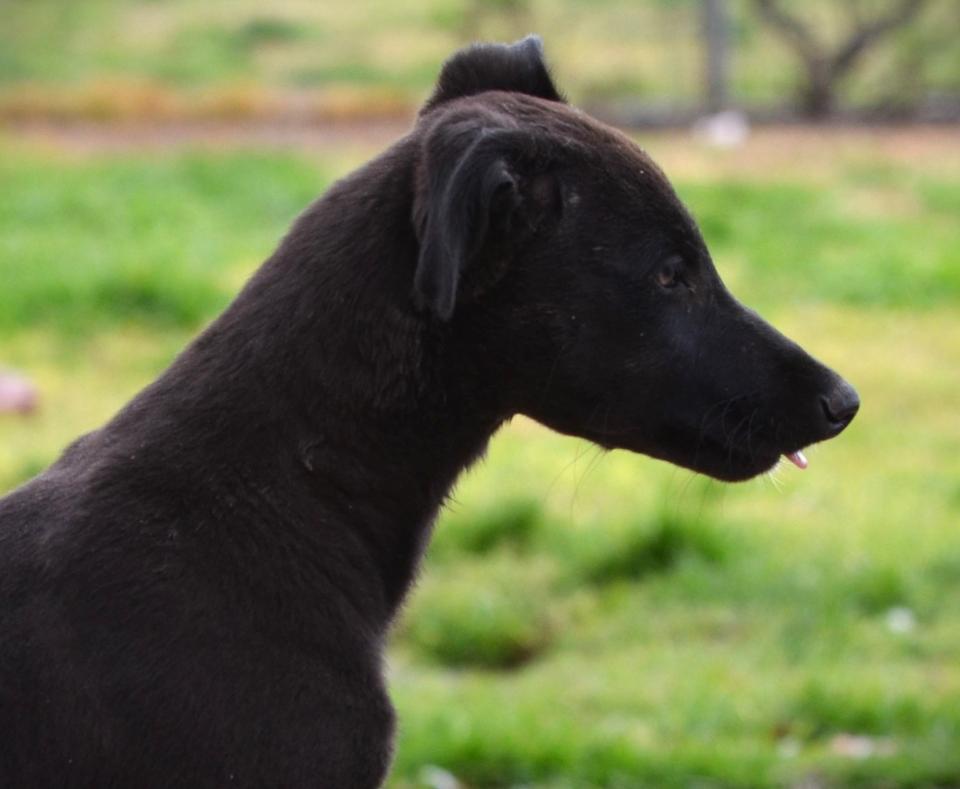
841, 405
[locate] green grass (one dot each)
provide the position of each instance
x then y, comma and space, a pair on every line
473, 616
593, 619
119, 239
837, 244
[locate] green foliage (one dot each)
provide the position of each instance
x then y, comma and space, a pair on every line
644, 547
811, 243
268, 30
507, 522
197, 54
821, 709
491, 615
108, 252
878, 589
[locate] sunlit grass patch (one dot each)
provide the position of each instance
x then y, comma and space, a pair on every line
511, 521
800, 242
879, 589
640, 547
491, 615
88, 242
824, 707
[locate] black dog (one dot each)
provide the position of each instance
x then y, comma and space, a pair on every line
198, 594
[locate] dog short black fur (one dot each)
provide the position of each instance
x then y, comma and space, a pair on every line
198, 593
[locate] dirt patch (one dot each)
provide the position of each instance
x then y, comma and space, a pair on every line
809, 152
89, 137
803, 152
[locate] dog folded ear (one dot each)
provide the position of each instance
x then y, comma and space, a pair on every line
518, 68
470, 185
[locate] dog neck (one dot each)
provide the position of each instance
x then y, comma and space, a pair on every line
338, 417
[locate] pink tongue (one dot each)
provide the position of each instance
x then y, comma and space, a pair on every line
798, 459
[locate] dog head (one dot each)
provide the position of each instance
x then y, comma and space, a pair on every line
556, 252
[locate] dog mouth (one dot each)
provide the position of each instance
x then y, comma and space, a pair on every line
734, 462
721, 458
738, 463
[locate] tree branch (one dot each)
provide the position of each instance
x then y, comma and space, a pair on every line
868, 33
826, 65
791, 28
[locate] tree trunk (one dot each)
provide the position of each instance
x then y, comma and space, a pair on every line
818, 96
825, 68
717, 65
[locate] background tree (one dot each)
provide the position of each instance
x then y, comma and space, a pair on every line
717, 61
825, 66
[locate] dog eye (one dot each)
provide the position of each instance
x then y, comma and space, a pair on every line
668, 276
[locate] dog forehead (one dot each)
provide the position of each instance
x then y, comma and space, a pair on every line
546, 120
630, 184
565, 137
610, 152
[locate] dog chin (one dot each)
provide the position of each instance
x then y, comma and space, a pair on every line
732, 465
725, 465
741, 473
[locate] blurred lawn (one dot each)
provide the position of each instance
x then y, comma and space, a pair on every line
115, 55
587, 619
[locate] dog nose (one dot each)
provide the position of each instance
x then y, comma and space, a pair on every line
840, 406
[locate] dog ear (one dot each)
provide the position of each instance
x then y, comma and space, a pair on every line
518, 68
470, 186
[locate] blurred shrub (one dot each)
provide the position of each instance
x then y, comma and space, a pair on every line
877, 589
820, 709
268, 30
642, 547
493, 614
513, 522
945, 571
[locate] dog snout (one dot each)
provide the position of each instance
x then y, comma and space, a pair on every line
840, 406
